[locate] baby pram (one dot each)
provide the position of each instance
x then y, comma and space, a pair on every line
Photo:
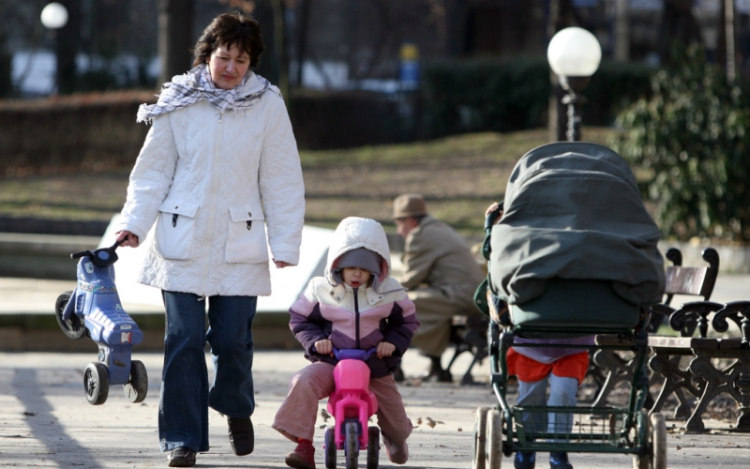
574, 254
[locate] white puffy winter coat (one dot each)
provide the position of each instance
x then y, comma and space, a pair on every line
220, 186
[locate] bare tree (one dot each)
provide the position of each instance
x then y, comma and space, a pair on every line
175, 37
678, 26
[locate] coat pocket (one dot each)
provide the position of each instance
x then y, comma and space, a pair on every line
174, 229
247, 236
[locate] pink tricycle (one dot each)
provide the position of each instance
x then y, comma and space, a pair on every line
351, 405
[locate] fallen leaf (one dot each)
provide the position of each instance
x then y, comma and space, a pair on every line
430, 422
325, 415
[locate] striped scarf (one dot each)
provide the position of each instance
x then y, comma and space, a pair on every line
195, 85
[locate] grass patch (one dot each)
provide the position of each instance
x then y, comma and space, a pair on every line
459, 176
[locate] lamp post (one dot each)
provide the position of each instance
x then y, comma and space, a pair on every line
574, 55
55, 16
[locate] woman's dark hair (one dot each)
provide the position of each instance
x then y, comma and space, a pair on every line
230, 29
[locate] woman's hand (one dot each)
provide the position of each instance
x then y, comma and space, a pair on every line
385, 349
324, 347
128, 239
492, 208
280, 264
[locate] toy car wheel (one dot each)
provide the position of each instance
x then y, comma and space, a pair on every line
137, 386
329, 456
659, 440
373, 447
480, 438
494, 439
96, 383
351, 445
73, 327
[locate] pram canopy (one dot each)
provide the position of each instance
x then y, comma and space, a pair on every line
573, 213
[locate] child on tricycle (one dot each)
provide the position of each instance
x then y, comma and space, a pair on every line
356, 305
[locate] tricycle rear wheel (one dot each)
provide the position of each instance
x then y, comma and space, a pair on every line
329, 456
373, 447
96, 383
137, 386
72, 327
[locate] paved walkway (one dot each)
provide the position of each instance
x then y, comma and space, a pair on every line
35, 296
45, 421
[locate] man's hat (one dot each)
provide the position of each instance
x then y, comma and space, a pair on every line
409, 205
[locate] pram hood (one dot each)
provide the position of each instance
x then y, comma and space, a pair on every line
572, 210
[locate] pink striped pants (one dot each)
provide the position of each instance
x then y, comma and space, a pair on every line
296, 416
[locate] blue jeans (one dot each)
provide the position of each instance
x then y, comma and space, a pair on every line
562, 394
185, 393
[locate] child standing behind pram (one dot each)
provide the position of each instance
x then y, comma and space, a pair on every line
564, 368
357, 305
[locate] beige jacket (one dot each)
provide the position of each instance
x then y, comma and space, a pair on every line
438, 257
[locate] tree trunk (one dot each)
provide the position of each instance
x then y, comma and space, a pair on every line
622, 31
68, 45
678, 27
175, 37
725, 46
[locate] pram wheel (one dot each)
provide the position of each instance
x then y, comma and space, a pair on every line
373, 447
72, 327
351, 445
655, 454
96, 383
659, 440
137, 387
494, 439
329, 456
480, 438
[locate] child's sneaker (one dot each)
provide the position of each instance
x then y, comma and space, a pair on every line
303, 456
397, 453
559, 461
524, 460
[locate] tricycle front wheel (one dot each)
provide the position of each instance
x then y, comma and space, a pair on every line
351, 445
71, 327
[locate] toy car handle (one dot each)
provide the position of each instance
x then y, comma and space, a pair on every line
492, 217
77, 255
356, 354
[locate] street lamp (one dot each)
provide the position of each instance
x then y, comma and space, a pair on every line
574, 55
54, 16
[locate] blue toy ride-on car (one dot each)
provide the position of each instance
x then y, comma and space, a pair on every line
93, 309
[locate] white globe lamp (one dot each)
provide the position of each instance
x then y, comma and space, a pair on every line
574, 52
574, 55
54, 16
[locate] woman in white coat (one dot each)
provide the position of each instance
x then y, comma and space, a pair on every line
220, 175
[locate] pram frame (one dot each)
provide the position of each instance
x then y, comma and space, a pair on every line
517, 439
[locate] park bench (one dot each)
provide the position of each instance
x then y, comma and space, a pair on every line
611, 368
717, 365
468, 334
